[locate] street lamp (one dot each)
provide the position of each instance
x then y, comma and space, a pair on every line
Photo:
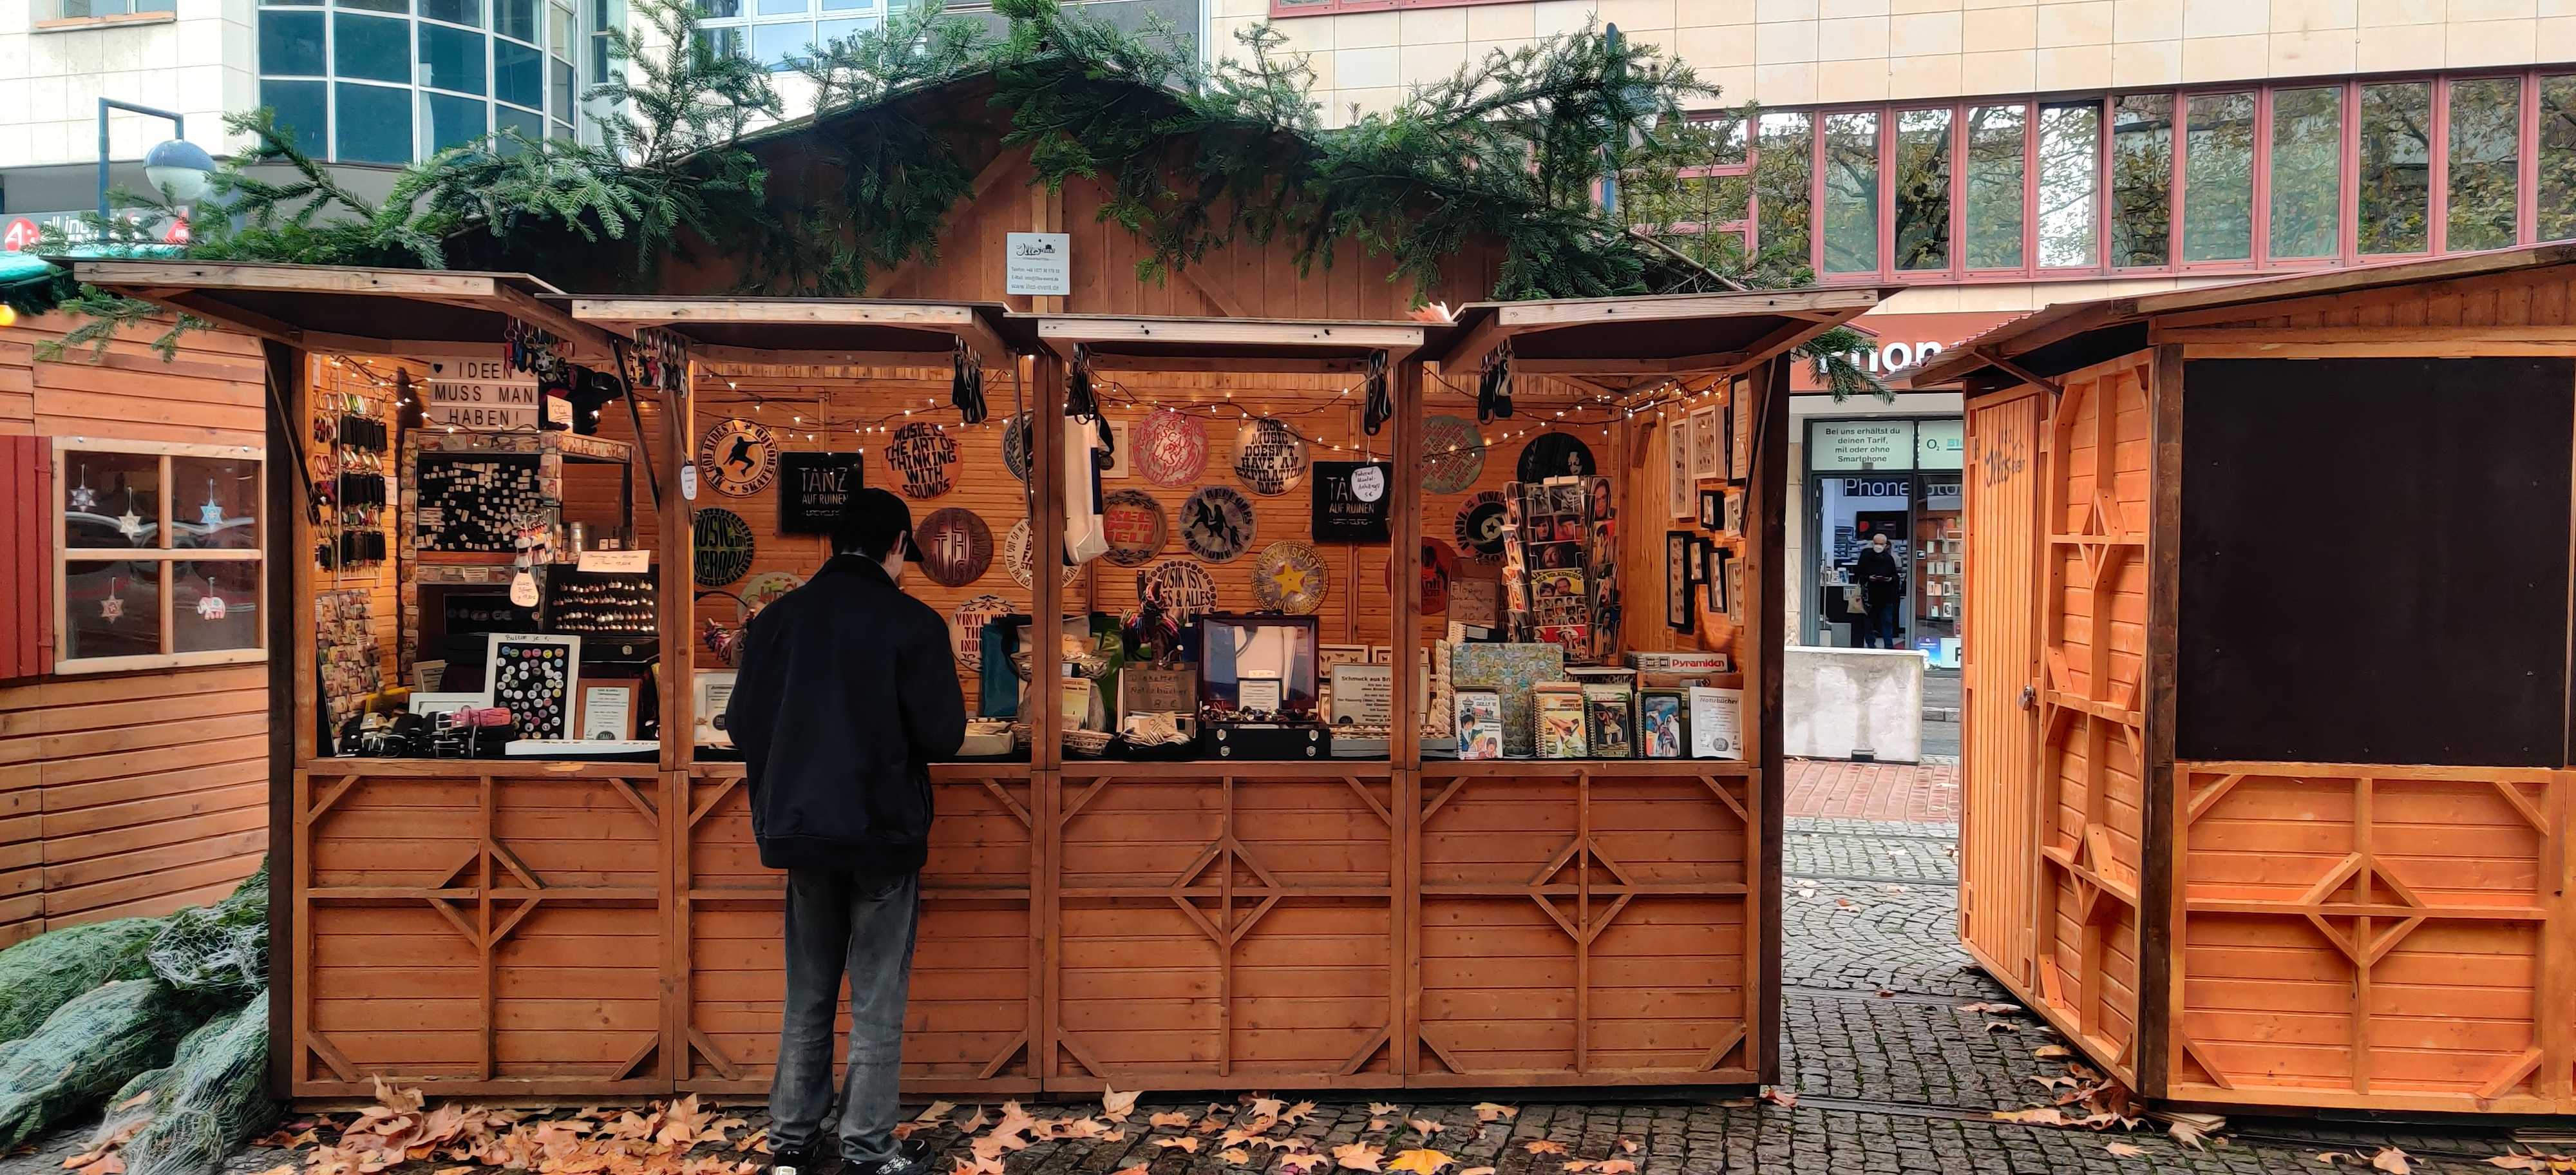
181, 170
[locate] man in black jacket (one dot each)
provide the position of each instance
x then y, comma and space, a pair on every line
1882, 592
847, 692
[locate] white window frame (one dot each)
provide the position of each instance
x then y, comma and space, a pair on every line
164, 554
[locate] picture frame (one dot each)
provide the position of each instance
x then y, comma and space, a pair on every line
1739, 458
1678, 467
708, 693
1712, 509
608, 708
1721, 562
1731, 513
537, 678
1708, 454
1700, 562
1663, 724
1610, 721
1479, 723
1678, 612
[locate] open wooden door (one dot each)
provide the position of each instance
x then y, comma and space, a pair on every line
2000, 625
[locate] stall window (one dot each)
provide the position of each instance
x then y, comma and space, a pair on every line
2070, 146
1851, 192
2396, 167
1994, 187
2218, 179
1922, 228
2142, 179
160, 557
2307, 172
2486, 142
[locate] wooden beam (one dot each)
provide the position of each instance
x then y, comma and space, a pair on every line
771, 311
1711, 361
316, 279
1322, 366
1568, 312
2008, 367
248, 321
1219, 332
1472, 348
756, 357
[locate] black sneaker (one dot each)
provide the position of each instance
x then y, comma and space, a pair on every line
805, 1162
901, 1164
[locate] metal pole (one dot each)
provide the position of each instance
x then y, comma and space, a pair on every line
178, 129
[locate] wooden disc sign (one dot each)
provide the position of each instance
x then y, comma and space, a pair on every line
1171, 448
1269, 457
1135, 525
738, 458
955, 546
926, 458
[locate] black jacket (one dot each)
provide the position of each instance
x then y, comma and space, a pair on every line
1881, 581
847, 691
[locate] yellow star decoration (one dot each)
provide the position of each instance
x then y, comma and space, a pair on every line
1290, 579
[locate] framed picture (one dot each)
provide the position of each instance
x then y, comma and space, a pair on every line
1610, 721
1712, 509
1663, 724
1677, 580
1708, 454
1739, 458
1699, 558
1732, 512
1480, 724
1678, 466
608, 709
1118, 450
537, 678
710, 692
1721, 560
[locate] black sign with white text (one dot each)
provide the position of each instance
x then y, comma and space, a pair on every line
812, 489
1350, 501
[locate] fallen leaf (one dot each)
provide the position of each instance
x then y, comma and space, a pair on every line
1172, 1120
1358, 1156
2001, 1026
978, 1166
2187, 1134
1182, 1144
453, 1170
1266, 1107
134, 1101
1991, 1009
1236, 1155
1542, 1146
1297, 1164
1377, 1124
1886, 994
1421, 1162
2042, 1116
2051, 1052
1476, 1171
1780, 1097
1806, 891
2122, 1150
1424, 1126
1490, 1112
1381, 1109
935, 1112
904, 1130
1628, 1146
1298, 1113
1116, 1106
1898, 889
2391, 1160
1138, 1169
973, 1122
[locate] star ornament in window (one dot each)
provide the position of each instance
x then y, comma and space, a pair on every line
211, 514
130, 525
112, 609
84, 499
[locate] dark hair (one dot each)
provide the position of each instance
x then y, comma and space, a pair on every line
871, 524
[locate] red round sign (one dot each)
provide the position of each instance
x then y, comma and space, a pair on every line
20, 237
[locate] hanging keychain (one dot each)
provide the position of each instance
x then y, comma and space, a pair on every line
1379, 407
966, 382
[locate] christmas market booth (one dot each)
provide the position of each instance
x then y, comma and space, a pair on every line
1370, 703
2267, 797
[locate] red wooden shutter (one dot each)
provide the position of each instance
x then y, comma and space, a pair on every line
26, 556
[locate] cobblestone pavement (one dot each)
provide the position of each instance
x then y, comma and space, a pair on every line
1891, 1076
1874, 791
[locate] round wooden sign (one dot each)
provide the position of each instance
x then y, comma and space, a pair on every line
1480, 527
926, 458
956, 547
1290, 577
1016, 436
1453, 454
762, 590
1020, 553
1171, 448
1269, 457
1136, 527
966, 628
724, 547
1555, 454
1216, 523
738, 458
1182, 588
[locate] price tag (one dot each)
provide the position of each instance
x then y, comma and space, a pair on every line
689, 481
523, 590
624, 562
1368, 483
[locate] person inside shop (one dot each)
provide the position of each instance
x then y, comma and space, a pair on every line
1882, 593
845, 693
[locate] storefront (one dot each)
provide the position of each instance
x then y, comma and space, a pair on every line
1897, 476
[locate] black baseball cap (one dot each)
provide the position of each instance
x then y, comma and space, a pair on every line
872, 523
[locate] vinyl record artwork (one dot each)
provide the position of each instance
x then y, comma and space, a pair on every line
966, 628
1020, 552
724, 546
1555, 454
1181, 587
1453, 454
762, 590
1016, 436
925, 457
738, 458
1269, 457
1216, 524
1480, 527
1291, 578
1171, 448
1136, 526
956, 546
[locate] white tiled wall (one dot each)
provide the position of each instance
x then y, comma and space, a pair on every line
198, 64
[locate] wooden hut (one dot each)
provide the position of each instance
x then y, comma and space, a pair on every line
586, 926
2267, 796
133, 727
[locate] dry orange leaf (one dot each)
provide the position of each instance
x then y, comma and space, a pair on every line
935, 1112
1627, 1146
1190, 1145
2391, 1160
1300, 1164
1171, 1120
2122, 1150
1421, 1162
1477, 1171
1116, 1106
2043, 1116
1377, 1124
1235, 1155
1381, 1109
973, 1122
2051, 1052
1614, 1167
1298, 1113
904, 1130
1490, 1112
1425, 1126
1265, 1107
453, 1170
1138, 1169
1358, 1156
1543, 1146
1780, 1097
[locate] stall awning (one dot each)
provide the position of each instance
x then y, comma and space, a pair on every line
341, 308
834, 331
2036, 348
1128, 342
1648, 337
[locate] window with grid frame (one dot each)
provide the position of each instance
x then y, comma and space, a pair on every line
157, 555
777, 33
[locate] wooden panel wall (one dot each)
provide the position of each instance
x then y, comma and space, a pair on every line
2395, 938
209, 394
1998, 821
26, 556
333, 375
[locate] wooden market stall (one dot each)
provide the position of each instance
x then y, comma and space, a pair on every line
2267, 800
1359, 909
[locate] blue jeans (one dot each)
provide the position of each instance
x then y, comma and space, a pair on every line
839, 921
1881, 631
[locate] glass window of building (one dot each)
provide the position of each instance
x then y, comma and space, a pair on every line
77, 9
2218, 179
2486, 147
2070, 175
2142, 179
2557, 171
2307, 172
1922, 226
1851, 192
1996, 139
777, 33
383, 81
2396, 166
1783, 176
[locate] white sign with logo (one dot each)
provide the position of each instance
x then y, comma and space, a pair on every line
1940, 444
1038, 263
481, 395
1840, 445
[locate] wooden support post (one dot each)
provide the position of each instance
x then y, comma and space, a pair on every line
1769, 514
1046, 526
678, 562
291, 736
1404, 510
2161, 880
